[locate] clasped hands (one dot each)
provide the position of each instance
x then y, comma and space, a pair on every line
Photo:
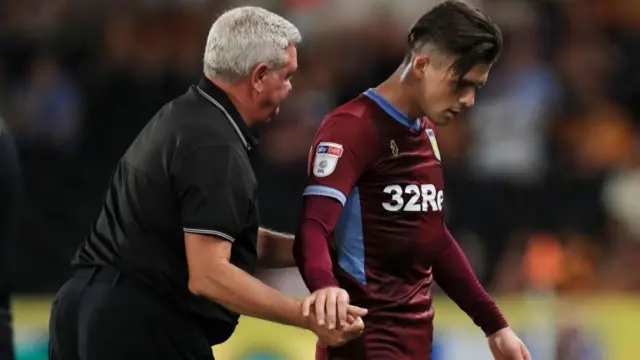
331, 317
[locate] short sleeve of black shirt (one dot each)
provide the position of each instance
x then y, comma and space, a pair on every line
214, 199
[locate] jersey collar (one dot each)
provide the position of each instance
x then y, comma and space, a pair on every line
221, 100
393, 111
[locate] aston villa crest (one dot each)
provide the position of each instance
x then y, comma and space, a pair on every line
394, 148
434, 144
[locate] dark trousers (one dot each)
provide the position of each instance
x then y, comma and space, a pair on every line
6, 334
100, 315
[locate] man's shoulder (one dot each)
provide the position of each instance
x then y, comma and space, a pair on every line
181, 127
192, 122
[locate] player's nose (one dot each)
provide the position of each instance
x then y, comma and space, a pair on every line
468, 98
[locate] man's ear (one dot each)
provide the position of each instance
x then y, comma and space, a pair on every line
258, 77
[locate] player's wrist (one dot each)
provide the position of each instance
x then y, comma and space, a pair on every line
499, 331
322, 280
493, 327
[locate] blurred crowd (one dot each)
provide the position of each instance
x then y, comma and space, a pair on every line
543, 174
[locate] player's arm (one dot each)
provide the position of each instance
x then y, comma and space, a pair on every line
311, 247
275, 249
454, 275
340, 154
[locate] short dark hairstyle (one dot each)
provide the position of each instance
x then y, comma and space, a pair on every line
457, 28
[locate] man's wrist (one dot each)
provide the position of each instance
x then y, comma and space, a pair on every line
300, 320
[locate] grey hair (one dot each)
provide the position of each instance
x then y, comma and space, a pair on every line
244, 37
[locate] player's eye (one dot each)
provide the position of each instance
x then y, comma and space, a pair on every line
463, 85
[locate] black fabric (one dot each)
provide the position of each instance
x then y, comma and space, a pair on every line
9, 208
223, 99
102, 314
187, 171
213, 200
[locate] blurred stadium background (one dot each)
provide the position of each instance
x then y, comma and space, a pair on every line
543, 175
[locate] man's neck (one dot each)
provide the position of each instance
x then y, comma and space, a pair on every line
237, 93
399, 94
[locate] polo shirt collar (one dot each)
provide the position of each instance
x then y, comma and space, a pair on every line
221, 100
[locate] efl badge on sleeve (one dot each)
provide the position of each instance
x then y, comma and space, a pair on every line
434, 144
326, 159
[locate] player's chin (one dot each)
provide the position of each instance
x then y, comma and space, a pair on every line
442, 120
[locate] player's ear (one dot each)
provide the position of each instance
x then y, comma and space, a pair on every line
258, 77
419, 65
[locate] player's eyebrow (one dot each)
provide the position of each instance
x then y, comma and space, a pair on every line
467, 82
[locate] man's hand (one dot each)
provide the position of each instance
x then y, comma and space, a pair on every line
332, 307
337, 337
505, 345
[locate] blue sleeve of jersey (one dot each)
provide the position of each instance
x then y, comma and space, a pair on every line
323, 190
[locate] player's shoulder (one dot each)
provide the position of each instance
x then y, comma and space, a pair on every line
355, 115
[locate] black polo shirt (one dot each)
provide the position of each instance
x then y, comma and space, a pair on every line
187, 171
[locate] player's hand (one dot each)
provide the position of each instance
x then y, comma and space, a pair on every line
331, 306
505, 345
337, 337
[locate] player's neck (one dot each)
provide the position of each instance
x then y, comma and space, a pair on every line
400, 96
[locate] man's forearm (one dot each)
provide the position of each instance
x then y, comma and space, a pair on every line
275, 249
453, 273
240, 292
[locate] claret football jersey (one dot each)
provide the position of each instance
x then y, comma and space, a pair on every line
386, 171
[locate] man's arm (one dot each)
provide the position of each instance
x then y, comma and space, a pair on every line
453, 273
275, 249
214, 205
213, 276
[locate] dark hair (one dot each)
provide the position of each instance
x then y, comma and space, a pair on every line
459, 29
